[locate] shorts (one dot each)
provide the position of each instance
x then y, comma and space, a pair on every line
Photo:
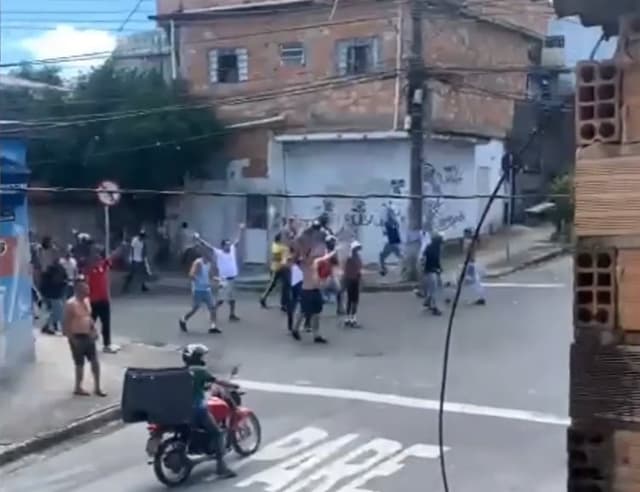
83, 347
311, 301
227, 290
201, 297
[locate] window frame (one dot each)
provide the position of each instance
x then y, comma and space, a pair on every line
289, 45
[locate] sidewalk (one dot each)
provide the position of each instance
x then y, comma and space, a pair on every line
527, 246
39, 403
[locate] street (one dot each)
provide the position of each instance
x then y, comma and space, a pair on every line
359, 414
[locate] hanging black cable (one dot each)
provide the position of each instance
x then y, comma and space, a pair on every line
454, 305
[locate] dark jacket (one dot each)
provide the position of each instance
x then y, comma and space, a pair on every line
431, 259
54, 281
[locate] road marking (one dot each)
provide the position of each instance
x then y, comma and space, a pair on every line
405, 401
297, 454
515, 285
509, 285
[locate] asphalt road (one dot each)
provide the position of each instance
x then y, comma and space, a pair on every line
376, 387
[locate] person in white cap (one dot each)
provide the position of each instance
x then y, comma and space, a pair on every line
352, 278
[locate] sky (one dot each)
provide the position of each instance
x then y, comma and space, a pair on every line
37, 29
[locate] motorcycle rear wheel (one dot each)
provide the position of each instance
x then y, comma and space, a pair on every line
174, 449
237, 443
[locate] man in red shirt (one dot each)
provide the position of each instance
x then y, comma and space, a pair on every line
97, 272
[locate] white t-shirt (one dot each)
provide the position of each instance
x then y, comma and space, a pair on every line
226, 263
296, 275
137, 250
70, 266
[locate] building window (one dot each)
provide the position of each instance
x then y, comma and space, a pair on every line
228, 65
257, 212
554, 41
357, 56
292, 54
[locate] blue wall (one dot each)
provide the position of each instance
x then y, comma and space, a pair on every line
16, 323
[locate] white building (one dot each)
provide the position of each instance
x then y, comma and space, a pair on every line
375, 163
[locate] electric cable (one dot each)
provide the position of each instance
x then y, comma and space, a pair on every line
456, 299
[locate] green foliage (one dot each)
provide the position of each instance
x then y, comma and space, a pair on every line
88, 139
563, 185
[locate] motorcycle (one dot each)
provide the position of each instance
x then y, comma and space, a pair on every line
178, 449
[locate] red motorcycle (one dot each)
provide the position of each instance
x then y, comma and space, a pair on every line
175, 450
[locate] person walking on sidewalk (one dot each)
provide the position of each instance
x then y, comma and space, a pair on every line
70, 266
296, 278
139, 263
202, 276
432, 272
79, 328
54, 285
394, 241
352, 278
227, 267
279, 272
97, 272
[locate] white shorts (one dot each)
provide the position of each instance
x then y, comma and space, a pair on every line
227, 290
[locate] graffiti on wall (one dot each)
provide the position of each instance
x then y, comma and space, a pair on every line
436, 218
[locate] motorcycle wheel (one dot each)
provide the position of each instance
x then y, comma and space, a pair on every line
173, 454
249, 424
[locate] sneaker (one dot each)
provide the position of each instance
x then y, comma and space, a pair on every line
233, 317
295, 335
480, 302
319, 339
263, 303
215, 330
183, 325
224, 472
436, 312
111, 349
47, 330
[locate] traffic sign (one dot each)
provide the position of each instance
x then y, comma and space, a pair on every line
108, 193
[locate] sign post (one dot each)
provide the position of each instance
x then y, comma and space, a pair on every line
108, 195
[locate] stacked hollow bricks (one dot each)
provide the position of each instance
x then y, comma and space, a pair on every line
603, 440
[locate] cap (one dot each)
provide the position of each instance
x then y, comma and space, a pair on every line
355, 245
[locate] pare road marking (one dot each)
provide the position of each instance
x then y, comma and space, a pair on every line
309, 461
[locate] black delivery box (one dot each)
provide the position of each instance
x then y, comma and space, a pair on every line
161, 396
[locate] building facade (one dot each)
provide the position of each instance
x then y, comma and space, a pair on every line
334, 77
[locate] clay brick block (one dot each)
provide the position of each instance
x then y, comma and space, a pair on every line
631, 122
606, 196
594, 285
628, 280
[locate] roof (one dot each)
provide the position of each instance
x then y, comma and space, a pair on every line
603, 13
243, 7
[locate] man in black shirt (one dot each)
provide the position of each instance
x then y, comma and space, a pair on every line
432, 271
394, 241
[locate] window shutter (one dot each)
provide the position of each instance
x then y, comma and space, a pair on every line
376, 59
213, 66
243, 64
342, 50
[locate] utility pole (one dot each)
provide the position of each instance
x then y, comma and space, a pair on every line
416, 98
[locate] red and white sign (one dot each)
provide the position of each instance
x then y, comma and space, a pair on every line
108, 193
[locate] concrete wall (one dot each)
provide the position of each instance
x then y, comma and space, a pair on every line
358, 167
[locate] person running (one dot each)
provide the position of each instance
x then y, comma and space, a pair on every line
432, 271
311, 301
295, 290
202, 276
279, 273
227, 267
54, 285
139, 265
394, 241
352, 279
79, 328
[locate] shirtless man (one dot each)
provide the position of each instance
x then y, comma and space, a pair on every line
311, 301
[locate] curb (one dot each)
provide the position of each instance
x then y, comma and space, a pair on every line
390, 287
44, 441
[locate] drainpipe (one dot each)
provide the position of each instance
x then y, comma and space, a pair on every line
396, 107
174, 60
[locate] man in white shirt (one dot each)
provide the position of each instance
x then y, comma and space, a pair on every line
70, 266
227, 267
138, 262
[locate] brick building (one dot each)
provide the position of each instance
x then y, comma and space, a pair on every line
318, 67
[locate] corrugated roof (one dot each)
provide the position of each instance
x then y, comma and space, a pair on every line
17, 82
230, 8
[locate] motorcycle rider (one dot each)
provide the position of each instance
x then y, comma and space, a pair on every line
193, 356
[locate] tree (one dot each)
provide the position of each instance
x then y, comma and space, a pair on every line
128, 126
564, 206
